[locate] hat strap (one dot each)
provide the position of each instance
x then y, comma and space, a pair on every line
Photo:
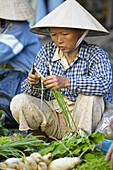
79, 41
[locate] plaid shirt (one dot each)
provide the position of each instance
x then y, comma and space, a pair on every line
90, 72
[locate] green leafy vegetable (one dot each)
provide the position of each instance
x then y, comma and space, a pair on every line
71, 145
9, 146
96, 163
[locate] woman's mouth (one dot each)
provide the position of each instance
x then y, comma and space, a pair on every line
62, 48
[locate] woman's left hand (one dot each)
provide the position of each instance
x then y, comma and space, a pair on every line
56, 82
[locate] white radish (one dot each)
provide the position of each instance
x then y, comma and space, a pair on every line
11, 166
63, 163
13, 160
12, 163
37, 157
42, 166
47, 158
10, 169
30, 163
2, 165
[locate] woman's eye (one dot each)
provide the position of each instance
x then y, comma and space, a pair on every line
65, 34
53, 35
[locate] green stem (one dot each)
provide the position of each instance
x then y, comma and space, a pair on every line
61, 102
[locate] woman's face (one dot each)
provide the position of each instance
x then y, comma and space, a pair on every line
65, 38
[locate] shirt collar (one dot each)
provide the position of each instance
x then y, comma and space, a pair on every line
59, 55
82, 53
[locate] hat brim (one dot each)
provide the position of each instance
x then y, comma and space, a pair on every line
19, 10
70, 14
45, 31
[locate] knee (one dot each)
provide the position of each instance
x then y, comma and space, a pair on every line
90, 100
87, 97
17, 102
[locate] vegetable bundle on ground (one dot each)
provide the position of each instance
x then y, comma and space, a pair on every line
13, 145
78, 149
37, 162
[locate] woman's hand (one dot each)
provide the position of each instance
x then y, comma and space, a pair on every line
56, 82
33, 79
110, 154
111, 123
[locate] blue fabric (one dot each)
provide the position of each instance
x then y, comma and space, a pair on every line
18, 47
90, 72
42, 10
10, 81
29, 46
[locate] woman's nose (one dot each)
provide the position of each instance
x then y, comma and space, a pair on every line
59, 39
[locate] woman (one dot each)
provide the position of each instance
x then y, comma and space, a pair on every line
81, 71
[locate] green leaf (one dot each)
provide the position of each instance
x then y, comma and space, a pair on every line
96, 137
59, 150
77, 151
46, 150
89, 156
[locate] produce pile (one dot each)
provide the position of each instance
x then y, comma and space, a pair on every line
77, 151
37, 162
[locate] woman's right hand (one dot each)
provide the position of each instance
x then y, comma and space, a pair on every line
109, 154
33, 79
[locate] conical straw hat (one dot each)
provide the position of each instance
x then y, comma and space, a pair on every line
19, 10
70, 14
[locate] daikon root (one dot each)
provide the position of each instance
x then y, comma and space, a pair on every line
11, 169
47, 158
30, 163
37, 157
12, 163
42, 166
63, 163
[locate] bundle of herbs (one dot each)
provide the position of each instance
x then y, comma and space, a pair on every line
16, 144
60, 100
94, 163
71, 145
77, 145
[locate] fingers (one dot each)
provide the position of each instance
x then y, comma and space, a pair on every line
56, 82
33, 79
110, 151
111, 165
110, 154
111, 123
51, 82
